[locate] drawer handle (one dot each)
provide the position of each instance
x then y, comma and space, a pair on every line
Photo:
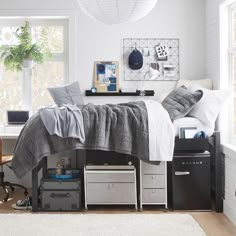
182, 172
60, 195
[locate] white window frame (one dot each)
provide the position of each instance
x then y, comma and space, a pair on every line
64, 22
231, 55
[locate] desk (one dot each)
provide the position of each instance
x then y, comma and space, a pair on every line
9, 136
8, 141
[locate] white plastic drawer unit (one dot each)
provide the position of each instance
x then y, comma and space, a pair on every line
110, 193
153, 181
154, 169
153, 184
154, 196
110, 177
110, 185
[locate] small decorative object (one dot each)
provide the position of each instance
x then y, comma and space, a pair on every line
117, 11
60, 170
162, 52
169, 71
135, 59
93, 90
21, 55
106, 76
128, 90
66, 161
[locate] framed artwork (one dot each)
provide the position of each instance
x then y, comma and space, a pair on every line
106, 76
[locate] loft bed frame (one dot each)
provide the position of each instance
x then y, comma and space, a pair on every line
217, 168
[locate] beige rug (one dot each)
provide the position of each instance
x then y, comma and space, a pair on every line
99, 225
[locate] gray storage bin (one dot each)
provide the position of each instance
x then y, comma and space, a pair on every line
60, 195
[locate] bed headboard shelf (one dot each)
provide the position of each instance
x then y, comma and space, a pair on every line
137, 93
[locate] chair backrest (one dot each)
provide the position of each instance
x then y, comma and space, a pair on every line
0, 148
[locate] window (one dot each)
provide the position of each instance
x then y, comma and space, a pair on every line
232, 68
13, 90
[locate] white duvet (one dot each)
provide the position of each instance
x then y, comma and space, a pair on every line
161, 132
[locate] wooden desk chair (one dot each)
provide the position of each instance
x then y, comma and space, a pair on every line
4, 159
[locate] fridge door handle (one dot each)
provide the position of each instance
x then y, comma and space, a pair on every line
182, 172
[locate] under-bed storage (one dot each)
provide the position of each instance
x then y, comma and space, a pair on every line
110, 185
153, 184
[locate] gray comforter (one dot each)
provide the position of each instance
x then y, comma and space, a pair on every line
121, 128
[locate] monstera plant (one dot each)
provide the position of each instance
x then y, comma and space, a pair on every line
21, 55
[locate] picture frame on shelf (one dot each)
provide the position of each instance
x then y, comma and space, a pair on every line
106, 76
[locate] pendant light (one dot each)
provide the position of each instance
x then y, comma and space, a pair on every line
117, 11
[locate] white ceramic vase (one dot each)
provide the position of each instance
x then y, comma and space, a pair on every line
27, 64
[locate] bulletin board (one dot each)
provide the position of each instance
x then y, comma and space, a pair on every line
161, 55
106, 76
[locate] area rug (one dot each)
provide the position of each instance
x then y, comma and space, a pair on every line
99, 225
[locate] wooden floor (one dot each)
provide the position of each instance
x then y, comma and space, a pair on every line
214, 224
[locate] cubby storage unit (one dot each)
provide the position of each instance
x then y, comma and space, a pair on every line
106, 184
153, 184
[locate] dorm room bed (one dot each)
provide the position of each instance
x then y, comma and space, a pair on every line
142, 129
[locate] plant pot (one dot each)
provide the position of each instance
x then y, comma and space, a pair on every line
27, 64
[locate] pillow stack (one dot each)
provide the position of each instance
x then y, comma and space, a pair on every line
198, 102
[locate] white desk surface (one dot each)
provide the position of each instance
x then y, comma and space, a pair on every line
9, 136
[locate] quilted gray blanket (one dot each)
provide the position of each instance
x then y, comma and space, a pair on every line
121, 128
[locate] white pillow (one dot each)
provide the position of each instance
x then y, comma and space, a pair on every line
203, 83
208, 108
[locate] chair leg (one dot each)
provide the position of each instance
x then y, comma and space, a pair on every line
6, 192
16, 185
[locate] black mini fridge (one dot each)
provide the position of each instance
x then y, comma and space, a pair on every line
189, 181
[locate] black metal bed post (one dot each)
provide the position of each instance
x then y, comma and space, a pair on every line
35, 191
218, 174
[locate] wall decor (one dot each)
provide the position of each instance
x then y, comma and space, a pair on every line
160, 59
106, 76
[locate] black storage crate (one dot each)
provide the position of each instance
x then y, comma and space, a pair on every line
191, 145
60, 195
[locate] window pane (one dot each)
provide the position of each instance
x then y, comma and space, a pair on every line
234, 86
54, 34
10, 92
7, 36
46, 75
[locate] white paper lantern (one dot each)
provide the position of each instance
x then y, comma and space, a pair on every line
117, 11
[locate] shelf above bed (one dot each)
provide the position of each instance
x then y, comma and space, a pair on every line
137, 93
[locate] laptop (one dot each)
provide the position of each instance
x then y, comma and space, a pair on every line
17, 117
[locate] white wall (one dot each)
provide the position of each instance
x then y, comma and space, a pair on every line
91, 41
183, 19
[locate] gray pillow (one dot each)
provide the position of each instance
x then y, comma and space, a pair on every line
68, 94
181, 101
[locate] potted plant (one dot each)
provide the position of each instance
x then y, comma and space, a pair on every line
21, 55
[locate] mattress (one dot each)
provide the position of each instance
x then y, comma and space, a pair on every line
191, 122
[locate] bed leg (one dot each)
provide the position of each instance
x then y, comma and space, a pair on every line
35, 189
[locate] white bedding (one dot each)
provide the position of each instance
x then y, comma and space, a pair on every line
161, 132
192, 122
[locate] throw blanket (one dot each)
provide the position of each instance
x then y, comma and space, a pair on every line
142, 130
65, 122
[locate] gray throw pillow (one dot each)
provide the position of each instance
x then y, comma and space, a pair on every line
181, 101
68, 94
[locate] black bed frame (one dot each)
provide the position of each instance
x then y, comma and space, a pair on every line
217, 173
